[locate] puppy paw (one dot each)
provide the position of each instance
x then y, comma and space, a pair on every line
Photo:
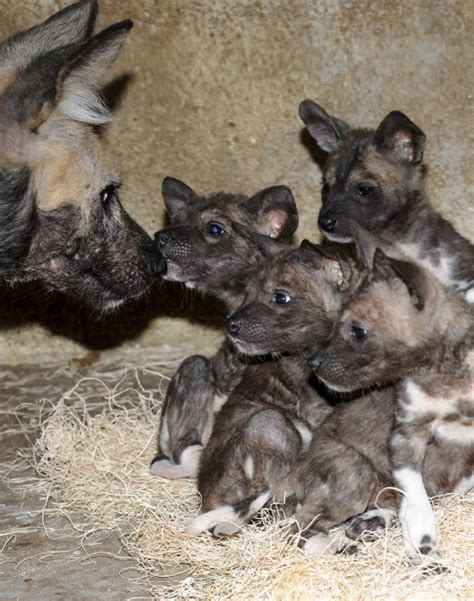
370, 524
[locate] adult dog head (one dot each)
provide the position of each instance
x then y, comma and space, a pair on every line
61, 221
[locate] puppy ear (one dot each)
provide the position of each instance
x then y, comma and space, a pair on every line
263, 246
274, 212
328, 131
420, 285
400, 137
70, 26
337, 268
178, 198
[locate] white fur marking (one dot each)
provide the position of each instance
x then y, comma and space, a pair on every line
165, 436
416, 514
208, 520
305, 433
186, 468
320, 544
249, 467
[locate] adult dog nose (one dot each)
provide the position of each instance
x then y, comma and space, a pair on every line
328, 224
162, 238
234, 324
156, 263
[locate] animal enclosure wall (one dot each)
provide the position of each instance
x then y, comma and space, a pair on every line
207, 91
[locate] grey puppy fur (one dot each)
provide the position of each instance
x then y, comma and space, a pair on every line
374, 178
205, 249
60, 218
291, 302
404, 325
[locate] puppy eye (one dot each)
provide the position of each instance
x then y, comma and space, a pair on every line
325, 188
281, 298
109, 193
364, 190
215, 229
359, 333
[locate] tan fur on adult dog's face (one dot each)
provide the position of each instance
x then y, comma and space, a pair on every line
80, 240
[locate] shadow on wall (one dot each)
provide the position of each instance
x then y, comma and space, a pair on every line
30, 303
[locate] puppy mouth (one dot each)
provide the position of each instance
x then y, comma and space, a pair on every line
174, 272
247, 348
336, 238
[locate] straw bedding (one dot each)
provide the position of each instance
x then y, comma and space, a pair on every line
92, 455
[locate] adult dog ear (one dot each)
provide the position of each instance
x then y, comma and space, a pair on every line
401, 138
337, 267
65, 79
328, 131
274, 212
178, 197
419, 284
69, 27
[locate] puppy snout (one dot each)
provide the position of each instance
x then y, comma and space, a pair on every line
328, 224
316, 362
234, 324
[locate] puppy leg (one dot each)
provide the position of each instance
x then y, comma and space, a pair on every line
186, 419
237, 481
408, 447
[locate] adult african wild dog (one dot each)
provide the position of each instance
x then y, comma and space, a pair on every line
403, 325
210, 247
374, 178
60, 218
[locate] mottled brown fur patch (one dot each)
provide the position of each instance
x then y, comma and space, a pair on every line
374, 165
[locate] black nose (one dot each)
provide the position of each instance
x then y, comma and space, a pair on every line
163, 238
234, 324
328, 224
156, 263
315, 363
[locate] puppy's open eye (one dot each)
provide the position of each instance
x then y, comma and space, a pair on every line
281, 298
108, 194
215, 229
359, 333
365, 189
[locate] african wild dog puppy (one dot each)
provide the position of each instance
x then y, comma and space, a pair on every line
206, 249
60, 218
375, 179
291, 303
403, 324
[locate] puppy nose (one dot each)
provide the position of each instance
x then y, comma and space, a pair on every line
327, 224
163, 238
234, 324
315, 363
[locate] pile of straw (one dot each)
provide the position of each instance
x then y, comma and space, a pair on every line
93, 453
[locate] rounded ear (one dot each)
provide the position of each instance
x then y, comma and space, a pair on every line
178, 198
400, 137
328, 131
273, 211
336, 267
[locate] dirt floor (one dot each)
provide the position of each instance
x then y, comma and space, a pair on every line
42, 558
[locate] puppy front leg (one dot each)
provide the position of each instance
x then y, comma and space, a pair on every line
416, 515
186, 420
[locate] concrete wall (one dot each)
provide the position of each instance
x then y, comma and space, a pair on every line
209, 94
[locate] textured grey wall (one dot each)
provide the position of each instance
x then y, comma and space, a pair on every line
213, 94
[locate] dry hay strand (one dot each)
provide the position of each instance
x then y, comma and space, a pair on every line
96, 462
